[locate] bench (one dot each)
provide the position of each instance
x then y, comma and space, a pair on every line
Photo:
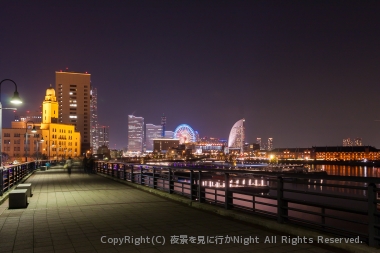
27, 186
43, 168
18, 198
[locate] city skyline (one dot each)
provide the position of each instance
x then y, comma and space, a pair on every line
303, 73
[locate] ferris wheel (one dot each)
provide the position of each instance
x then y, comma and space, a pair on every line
184, 133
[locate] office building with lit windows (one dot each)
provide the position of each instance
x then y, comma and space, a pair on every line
270, 144
74, 96
103, 133
135, 134
94, 131
169, 135
152, 132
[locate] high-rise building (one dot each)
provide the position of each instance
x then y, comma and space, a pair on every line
163, 125
103, 134
270, 144
152, 132
258, 141
135, 134
355, 142
358, 141
347, 142
74, 96
94, 127
169, 134
236, 139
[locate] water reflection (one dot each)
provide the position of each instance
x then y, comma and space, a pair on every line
347, 170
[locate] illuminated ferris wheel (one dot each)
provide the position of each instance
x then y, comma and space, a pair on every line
184, 133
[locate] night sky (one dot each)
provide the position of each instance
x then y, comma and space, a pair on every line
306, 73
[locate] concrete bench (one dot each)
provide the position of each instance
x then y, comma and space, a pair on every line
18, 198
43, 168
27, 186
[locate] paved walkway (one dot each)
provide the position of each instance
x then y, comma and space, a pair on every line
87, 213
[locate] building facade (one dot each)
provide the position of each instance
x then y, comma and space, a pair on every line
236, 138
169, 134
152, 132
94, 126
291, 153
52, 140
352, 142
270, 144
163, 125
163, 145
74, 96
135, 134
103, 134
340, 153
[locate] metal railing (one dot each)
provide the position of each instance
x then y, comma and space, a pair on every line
339, 205
14, 174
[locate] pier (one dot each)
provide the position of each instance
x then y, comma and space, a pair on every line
82, 212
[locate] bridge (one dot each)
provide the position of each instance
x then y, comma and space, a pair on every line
81, 212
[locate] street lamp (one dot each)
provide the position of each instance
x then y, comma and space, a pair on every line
38, 141
15, 100
26, 137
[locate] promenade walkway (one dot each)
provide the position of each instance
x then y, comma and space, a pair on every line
88, 213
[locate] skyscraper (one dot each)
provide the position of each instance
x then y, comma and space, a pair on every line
163, 125
152, 132
169, 134
135, 134
358, 141
347, 142
258, 141
270, 143
74, 103
94, 127
103, 134
236, 139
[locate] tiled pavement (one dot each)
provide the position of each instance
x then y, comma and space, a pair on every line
82, 213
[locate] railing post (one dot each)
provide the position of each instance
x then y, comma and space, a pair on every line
1, 182
227, 194
163, 181
154, 178
282, 205
141, 175
171, 184
201, 194
132, 176
191, 185
373, 231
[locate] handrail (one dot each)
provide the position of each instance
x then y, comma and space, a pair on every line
11, 175
287, 200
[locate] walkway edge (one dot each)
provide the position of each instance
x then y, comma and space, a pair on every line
6, 194
252, 219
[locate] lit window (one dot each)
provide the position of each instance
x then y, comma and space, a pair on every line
72, 116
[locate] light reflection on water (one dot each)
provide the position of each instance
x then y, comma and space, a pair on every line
347, 170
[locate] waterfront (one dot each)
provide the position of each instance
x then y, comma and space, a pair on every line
330, 169
347, 170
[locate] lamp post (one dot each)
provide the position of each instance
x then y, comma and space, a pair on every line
38, 141
15, 100
26, 137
